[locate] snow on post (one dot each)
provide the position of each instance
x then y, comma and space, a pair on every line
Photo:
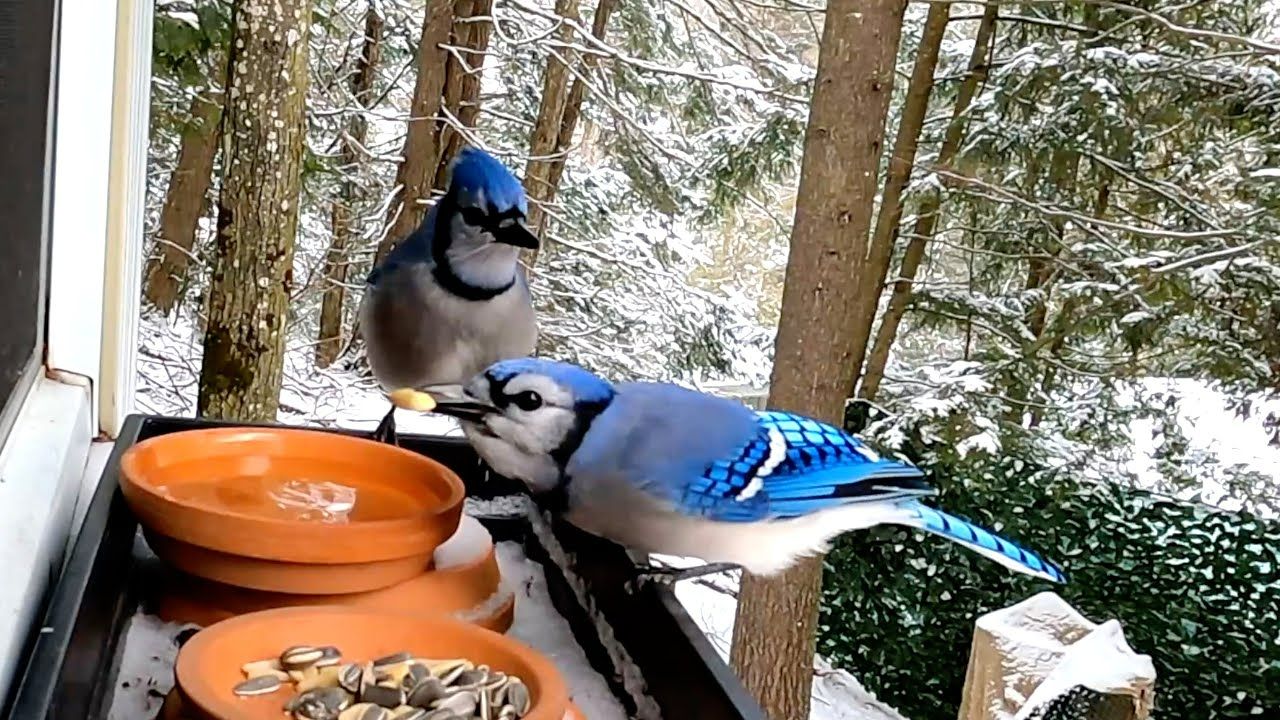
1042, 660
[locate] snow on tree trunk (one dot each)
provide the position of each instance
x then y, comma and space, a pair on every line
421, 153
1042, 660
927, 216
773, 639
337, 260
257, 211
184, 203
462, 84
546, 129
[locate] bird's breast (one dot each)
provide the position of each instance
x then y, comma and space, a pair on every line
420, 334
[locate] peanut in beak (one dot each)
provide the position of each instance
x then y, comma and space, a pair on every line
411, 399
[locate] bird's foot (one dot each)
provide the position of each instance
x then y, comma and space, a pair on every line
669, 576
386, 430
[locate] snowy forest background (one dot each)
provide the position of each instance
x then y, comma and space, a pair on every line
1080, 276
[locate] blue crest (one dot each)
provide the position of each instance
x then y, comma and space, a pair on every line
585, 386
476, 171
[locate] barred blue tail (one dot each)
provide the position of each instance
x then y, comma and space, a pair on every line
981, 541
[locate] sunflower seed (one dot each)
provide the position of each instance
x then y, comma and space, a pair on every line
365, 711
349, 677
393, 659
320, 704
517, 695
387, 697
470, 679
415, 673
261, 685
330, 655
316, 677
264, 667
427, 692
461, 703
300, 657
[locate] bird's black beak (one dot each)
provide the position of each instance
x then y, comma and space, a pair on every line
464, 409
519, 235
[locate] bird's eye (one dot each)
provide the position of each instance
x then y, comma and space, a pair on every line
473, 216
527, 400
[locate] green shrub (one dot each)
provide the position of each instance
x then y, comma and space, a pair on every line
1196, 588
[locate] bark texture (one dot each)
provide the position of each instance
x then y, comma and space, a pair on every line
416, 173
184, 202
546, 129
901, 160
257, 211
927, 218
337, 261
773, 639
462, 82
573, 110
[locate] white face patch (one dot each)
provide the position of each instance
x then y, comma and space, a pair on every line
477, 258
520, 440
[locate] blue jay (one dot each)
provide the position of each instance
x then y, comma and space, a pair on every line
663, 469
452, 298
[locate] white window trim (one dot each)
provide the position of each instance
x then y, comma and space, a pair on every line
126, 211
95, 273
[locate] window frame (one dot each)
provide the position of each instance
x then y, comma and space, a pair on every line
23, 12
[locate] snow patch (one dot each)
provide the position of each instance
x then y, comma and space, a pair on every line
146, 667
538, 625
1029, 653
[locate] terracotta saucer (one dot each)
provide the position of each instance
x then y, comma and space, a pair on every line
467, 589
243, 506
209, 663
173, 709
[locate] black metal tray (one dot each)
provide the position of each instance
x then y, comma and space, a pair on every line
71, 670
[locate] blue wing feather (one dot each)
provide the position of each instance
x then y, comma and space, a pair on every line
794, 466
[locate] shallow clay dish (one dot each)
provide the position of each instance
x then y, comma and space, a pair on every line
209, 663
467, 586
216, 503
174, 709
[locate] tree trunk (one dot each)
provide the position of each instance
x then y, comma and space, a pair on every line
336, 263
812, 369
257, 211
462, 85
901, 159
546, 129
185, 201
573, 109
927, 218
418, 162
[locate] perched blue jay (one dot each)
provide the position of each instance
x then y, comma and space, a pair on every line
451, 299
667, 470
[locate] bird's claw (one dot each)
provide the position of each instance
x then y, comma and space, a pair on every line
386, 430
669, 576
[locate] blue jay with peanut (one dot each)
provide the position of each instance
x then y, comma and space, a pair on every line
664, 469
451, 299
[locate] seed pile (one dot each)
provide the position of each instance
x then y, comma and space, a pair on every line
395, 687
